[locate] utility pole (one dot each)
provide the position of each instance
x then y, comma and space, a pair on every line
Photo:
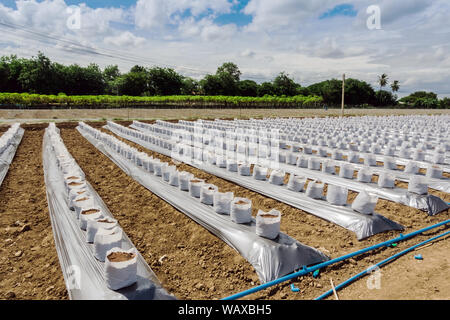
343, 94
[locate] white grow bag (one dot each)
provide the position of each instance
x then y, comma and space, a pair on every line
364, 203
337, 195
101, 223
207, 193
417, 185
386, 180
241, 210
184, 178
268, 223
222, 202
121, 274
195, 187
315, 190
296, 183
106, 239
277, 177
259, 173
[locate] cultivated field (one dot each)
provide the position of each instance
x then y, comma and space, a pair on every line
172, 114
197, 265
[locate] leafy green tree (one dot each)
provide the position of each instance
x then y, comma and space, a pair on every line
303, 91
284, 85
444, 103
248, 88
36, 75
426, 103
110, 75
229, 75
137, 68
189, 86
132, 84
211, 85
266, 89
384, 98
164, 81
358, 92
231, 69
330, 90
411, 99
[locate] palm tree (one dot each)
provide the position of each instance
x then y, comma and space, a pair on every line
395, 86
383, 80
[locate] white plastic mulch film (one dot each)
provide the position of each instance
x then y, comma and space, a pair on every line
362, 225
85, 276
9, 142
307, 164
270, 258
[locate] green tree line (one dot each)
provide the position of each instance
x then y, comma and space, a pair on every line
41, 81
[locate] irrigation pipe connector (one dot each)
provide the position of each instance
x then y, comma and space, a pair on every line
380, 264
307, 270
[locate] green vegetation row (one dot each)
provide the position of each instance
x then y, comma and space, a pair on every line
30, 100
41, 82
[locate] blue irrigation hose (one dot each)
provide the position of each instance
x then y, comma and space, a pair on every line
307, 270
379, 264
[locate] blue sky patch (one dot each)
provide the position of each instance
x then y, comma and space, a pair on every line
90, 3
344, 9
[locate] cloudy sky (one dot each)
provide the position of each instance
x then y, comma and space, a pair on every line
312, 40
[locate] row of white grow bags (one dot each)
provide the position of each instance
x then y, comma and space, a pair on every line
293, 193
434, 175
362, 133
9, 142
282, 140
97, 258
271, 258
289, 125
430, 204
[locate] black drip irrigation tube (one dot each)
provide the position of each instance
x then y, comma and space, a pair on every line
307, 270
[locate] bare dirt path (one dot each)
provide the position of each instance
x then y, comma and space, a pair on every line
8, 115
29, 265
408, 278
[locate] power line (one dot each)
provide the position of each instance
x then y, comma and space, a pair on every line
108, 53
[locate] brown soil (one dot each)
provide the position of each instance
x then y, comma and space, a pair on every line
190, 114
197, 265
120, 256
90, 211
105, 221
241, 202
82, 199
29, 265
268, 216
75, 184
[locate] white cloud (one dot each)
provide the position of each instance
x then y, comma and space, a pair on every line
284, 35
157, 14
272, 15
125, 39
